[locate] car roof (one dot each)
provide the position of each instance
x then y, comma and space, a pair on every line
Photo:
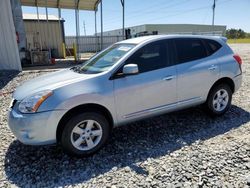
143, 39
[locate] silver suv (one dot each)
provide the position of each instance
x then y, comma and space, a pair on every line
133, 79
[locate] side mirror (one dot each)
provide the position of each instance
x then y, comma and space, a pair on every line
130, 69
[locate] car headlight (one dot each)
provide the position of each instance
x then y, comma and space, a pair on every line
31, 104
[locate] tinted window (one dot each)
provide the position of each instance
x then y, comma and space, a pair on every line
212, 46
151, 57
189, 50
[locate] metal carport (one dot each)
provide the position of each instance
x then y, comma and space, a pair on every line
91, 5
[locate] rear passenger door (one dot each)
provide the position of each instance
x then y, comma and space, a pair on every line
197, 70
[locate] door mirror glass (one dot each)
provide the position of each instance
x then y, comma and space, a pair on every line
130, 69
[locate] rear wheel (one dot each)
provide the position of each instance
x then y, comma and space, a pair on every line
219, 100
85, 134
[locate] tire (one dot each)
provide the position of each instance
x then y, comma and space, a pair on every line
85, 134
219, 100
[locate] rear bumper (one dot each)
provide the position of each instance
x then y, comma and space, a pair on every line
34, 129
237, 82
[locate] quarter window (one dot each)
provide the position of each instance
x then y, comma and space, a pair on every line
212, 46
189, 50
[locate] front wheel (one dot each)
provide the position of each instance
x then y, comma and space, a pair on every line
85, 134
219, 100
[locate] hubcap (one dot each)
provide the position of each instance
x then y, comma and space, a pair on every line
220, 100
86, 135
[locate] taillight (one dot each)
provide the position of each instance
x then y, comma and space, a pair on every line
238, 59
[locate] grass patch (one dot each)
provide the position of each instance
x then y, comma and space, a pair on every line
234, 41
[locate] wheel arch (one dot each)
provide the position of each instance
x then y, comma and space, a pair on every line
91, 107
224, 80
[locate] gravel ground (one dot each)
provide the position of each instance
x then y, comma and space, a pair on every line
182, 149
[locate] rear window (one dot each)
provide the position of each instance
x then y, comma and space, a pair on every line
189, 50
212, 46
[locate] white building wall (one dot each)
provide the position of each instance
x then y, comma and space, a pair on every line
171, 29
185, 29
9, 55
118, 32
18, 22
48, 35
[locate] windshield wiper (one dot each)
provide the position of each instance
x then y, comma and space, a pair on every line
77, 69
80, 70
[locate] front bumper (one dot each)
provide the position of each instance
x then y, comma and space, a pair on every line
35, 129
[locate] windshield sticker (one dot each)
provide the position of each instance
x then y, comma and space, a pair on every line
124, 48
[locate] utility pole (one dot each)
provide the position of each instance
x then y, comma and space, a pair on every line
123, 18
214, 5
84, 27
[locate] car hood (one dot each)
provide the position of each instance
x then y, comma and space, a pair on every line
49, 81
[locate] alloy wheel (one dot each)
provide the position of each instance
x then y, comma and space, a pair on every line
220, 100
86, 135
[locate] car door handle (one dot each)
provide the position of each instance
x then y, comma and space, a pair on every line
213, 67
168, 78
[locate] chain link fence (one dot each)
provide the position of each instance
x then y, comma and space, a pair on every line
91, 43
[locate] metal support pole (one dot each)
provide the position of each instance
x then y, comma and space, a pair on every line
38, 21
37, 13
101, 27
95, 25
123, 18
59, 13
78, 35
47, 20
213, 12
59, 17
214, 5
77, 29
96, 39
60, 29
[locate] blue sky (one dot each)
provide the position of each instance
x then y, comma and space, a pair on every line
232, 13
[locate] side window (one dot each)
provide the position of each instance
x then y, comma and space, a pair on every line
189, 49
150, 57
212, 46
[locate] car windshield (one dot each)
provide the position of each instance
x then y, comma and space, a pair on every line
105, 60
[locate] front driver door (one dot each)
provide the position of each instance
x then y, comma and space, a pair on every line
151, 91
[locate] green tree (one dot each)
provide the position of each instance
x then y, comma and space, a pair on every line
241, 34
235, 33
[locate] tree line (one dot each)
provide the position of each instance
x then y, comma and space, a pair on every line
236, 34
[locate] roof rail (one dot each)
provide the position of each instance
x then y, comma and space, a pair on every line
224, 39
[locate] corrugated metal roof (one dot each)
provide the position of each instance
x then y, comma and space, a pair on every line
67, 4
41, 17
